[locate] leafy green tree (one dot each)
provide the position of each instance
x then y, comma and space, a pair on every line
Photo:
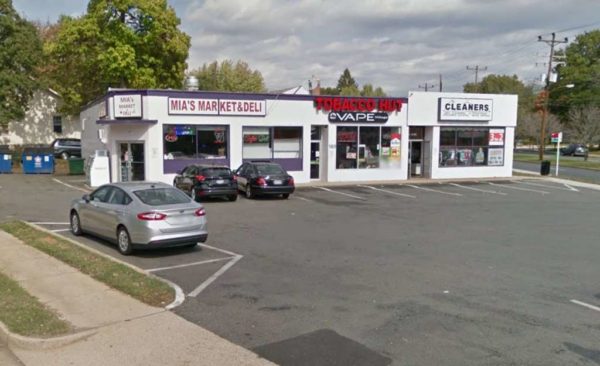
20, 54
229, 77
327, 90
117, 43
579, 78
369, 91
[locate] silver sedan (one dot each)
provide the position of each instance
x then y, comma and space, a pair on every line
140, 215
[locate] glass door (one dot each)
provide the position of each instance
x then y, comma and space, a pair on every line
315, 152
131, 161
415, 158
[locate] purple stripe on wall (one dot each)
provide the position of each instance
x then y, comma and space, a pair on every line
177, 165
291, 165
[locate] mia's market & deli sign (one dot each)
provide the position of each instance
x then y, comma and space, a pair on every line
363, 110
223, 107
127, 106
463, 109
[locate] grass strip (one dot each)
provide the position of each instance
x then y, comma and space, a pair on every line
25, 315
147, 289
565, 161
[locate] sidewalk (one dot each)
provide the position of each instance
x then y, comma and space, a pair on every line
111, 328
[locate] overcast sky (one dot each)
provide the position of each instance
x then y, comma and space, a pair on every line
395, 44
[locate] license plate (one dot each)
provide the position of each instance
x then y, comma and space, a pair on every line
277, 182
220, 181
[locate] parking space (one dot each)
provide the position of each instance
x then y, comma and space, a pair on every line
469, 273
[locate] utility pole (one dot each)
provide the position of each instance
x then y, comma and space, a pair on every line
476, 69
550, 42
426, 86
440, 84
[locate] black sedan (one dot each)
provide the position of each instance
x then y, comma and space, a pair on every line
262, 178
207, 181
574, 150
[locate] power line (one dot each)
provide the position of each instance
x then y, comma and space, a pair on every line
426, 86
476, 69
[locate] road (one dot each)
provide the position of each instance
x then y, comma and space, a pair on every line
467, 274
588, 175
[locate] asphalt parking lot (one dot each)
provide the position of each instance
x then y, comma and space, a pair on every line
447, 274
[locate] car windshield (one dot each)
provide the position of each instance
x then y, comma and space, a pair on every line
269, 169
216, 172
162, 196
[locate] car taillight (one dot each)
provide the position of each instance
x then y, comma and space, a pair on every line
291, 181
200, 178
261, 181
151, 216
200, 212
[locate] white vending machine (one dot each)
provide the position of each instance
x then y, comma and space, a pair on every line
97, 169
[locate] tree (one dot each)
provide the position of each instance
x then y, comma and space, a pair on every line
117, 43
529, 127
346, 81
579, 81
229, 77
584, 125
20, 54
347, 86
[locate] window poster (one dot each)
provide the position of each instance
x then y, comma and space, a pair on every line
495, 157
496, 137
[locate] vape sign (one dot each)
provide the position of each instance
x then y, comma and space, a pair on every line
368, 117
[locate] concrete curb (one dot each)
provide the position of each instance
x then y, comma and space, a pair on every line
31, 343
417, 181
179, 296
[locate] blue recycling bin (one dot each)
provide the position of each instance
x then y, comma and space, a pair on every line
38, 160
5, 160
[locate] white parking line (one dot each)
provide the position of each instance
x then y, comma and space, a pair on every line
60, 230
545, 186
434, 190
70, 186
189, 264
517, 188
51, 223
390, 192
303, 199
217, 249
478, 190
216, 275
342, 193
585, 305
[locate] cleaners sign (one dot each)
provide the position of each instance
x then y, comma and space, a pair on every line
225, 107
463, 109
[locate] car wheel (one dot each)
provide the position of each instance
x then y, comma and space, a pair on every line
75, 224
285, 196
64, 155
232, 197
124, 241
249, 193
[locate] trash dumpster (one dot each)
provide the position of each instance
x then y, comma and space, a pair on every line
38, 160
76, 166
5, 160
545, 168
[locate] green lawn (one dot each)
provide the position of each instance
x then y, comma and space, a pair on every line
23, 314
566, 161
147, 289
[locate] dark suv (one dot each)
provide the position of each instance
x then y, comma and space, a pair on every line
207, 181
66, 148
574, 150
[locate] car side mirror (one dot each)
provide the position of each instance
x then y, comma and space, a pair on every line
86, 198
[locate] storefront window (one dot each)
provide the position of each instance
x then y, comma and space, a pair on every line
347, 139
212, 142
471, 147
368, 147
179, 142
272, 143
287, 142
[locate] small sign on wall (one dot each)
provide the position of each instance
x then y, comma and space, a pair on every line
128, 106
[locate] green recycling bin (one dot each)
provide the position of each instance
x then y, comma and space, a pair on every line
76, 166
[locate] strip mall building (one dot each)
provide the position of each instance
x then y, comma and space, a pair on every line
153, 134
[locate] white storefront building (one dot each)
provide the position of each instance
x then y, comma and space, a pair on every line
153, 134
